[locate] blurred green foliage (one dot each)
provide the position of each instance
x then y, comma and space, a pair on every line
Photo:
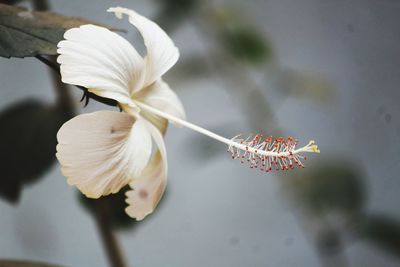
330, 186
240, 39
336, 186
27, 144
19, 263
303, 84
191, 68
174, 12
10, 2
181, 6
246, 44
382, 231
328, 241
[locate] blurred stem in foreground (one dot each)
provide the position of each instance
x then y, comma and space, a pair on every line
64, 99
110, 241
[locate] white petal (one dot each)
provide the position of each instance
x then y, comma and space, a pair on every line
160, 96
147, 191
159, 122
149, 187
104, 62
162, 54
100, 152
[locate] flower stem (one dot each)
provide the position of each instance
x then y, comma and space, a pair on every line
110, 241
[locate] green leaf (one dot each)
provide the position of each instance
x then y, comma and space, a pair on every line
383, 232
330, 186
18, 263
25, 33
27, 144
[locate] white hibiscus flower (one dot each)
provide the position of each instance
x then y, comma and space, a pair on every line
101, 152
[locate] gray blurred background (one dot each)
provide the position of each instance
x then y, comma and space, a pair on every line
313, 69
